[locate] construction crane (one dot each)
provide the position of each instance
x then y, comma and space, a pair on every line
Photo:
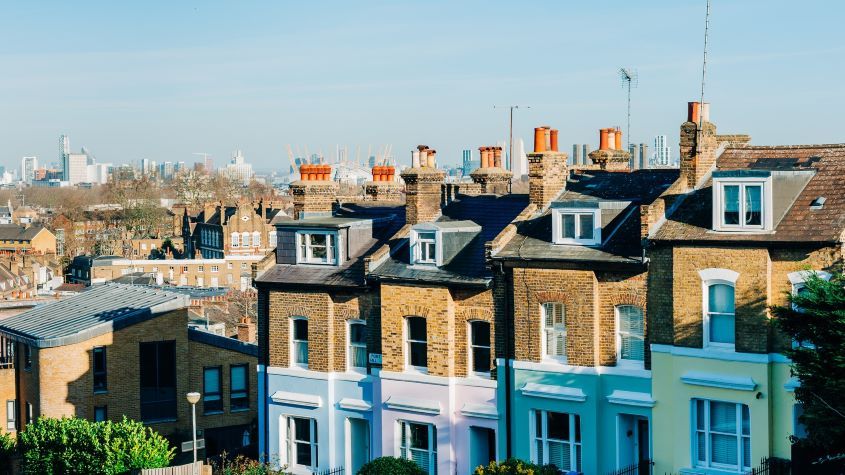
292, 160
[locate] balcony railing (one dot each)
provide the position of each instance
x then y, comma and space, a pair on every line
643, 467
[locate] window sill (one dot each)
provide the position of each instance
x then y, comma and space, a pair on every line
159, 421
213, 413
415, 370
101, 391
235, 411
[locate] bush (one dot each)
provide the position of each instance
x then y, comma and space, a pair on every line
69, 446
515, 467
7, 451
390, 466
241, 465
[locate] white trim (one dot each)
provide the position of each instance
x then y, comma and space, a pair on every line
766, 204
352, 404
408, 404
549, 391
557, 222
792, 384
630, 398
719, 274
349, 367
586, 370
716, 380
710, 354
297, 399
480, 410
470, 347
333, 247
801, 276
708, 280
622, 362
292, 351
415, 250
437, 380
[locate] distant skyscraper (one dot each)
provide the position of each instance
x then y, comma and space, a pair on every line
585, 154
28, 166
662, 152
575, 159
519, 163
467, 163
64, 149
76, 168
209, 164
238, 169
644, 155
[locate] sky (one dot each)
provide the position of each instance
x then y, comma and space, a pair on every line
164, 80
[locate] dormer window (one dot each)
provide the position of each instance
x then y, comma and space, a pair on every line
576, 226
742, 203
316, 247
426, 248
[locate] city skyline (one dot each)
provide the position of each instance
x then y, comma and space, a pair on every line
165, 81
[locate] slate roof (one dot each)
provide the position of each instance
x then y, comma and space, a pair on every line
14, 232
103, 309
229, 211
692, 219
620, 234
351, 272
469, 266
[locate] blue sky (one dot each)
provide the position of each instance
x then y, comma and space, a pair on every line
162, 80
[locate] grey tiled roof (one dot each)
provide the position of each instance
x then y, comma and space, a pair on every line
692, 220
98, 311
13, 232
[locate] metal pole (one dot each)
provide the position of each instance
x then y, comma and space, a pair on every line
194, 425
629, 114
509, 166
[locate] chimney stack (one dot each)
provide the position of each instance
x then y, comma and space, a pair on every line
490, 177
246, 330
610, 155
314, 193
547, 171
698, 144
383, 186
423, 185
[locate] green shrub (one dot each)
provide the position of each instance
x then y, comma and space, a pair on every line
242, 465
390, 466
514, 466
70, 446
7, 450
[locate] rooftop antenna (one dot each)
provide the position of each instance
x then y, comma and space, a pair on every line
704, 62
630, 79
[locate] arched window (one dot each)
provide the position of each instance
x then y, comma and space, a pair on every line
256, 239
245, 239
554, 330
299, 342
479, 348
630, 335
236, 240
719, 315
416, 347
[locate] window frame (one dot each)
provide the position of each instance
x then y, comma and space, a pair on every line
294, 342
27, 357
706, 316
557, 226
11, 415
471, 347
235, 239
766, 203
431, 431
304, 252
409, 342
416, 246
212, 401
256, 239
105, 410
544, 331
291, 441
102, 373
627, 362
237, 395
575, 441
350, 346
707, 432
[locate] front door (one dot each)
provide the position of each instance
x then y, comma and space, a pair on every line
359, 443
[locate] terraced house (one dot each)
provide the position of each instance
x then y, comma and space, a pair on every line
749, 225
576, 382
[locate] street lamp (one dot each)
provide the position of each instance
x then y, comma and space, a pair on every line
194, 398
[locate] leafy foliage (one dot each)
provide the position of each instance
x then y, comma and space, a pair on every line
242, 465
7, 448
77, 446
514, 466
390, 466
816, 318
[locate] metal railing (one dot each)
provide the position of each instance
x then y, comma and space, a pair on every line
772, 466
643, 467
330, 471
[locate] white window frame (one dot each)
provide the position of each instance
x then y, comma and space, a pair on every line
416, 247
471, 347
766, 218
708, 463
407, 339
272, 238
625, 362
350, 346
304, 253
287, 445
574, 445
215, 269
544, 331
245, 241
256, 239
402, 427
712, 277
236, 240
294, 342
557, 226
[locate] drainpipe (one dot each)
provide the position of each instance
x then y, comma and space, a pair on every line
508, 351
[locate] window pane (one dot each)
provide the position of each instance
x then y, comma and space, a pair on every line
300, 329
538, 423
358, 333
585, 230
318, 239
212, 380
419, 436
238, 378
721, 298
753, 205
560, 456
416, 328
419, 355
480, 333
722, 417
723, 449
730, 199
568, 225
425, 236
481, 360
722, 329
302, 429
558, 425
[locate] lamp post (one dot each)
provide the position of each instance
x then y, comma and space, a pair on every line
194, 398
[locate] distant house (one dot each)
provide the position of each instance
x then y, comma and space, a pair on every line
244, 229
34, 239
121, 350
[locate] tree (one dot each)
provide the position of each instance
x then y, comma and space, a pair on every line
390, 466
816, 318
192, 188
70, 446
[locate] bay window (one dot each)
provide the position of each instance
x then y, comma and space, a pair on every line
418, 442
721, 435
557, 440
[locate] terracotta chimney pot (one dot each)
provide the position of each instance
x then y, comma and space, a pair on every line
539, 140
548, 134
497, 157
618, 139
603, 139
553, 140
611, 139
693, 111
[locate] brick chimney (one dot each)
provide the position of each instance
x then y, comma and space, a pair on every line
423, 184
698, 144
547, 171
490, 176
314, 193
610, 155
246, 330
383, 186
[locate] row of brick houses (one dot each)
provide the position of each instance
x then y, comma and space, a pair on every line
609, 317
